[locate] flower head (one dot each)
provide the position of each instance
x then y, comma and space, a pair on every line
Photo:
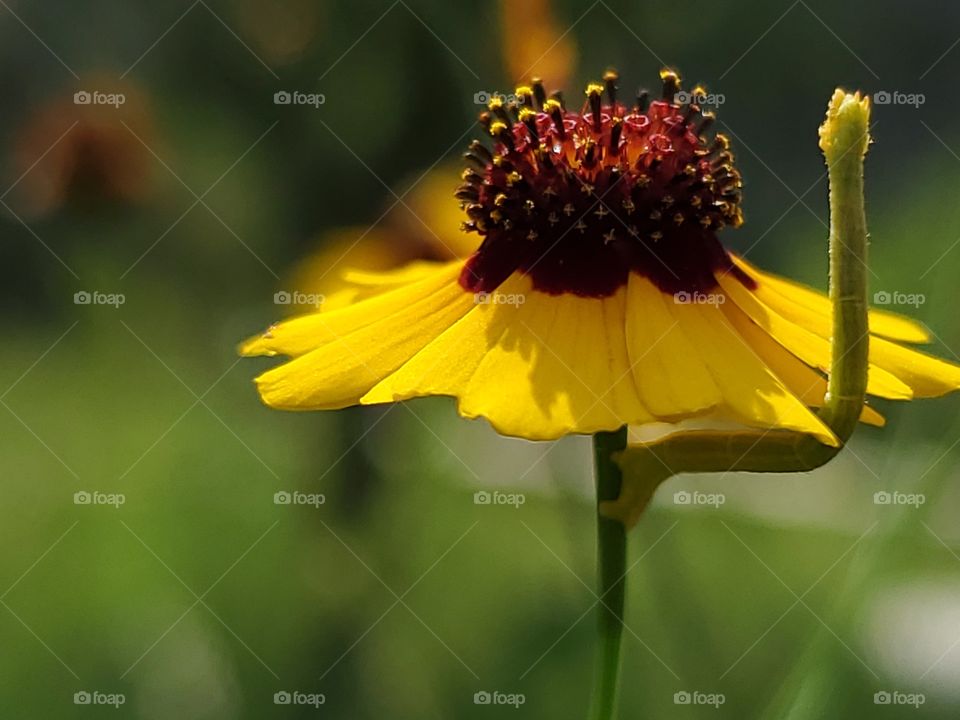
579, 200
600, 295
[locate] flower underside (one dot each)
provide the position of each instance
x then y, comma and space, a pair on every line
578, 200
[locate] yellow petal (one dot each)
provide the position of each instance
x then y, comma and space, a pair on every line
809, 346
302, 334
560, 367
672, 377
358, 284
804, 382
345, 367
446, 365
926, 375
871, 417
887, 324
751, 392
385, 280
543, 368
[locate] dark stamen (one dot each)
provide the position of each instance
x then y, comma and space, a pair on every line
525, 96
610, 78
671, 84
477, 162
643, 100
595, 98
480, 150
502, 133
529, 118
706, 121
499, 108
616, 128
555, 110
539, 93
468, 193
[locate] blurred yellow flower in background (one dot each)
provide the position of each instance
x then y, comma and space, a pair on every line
428, 231
533, 42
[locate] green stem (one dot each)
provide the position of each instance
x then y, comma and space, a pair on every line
844, 139
611, 576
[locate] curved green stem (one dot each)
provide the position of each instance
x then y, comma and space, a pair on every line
628, 477
611, 576
844, 138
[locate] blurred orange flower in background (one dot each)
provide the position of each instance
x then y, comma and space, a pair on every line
83, 147
282, 30
534, 43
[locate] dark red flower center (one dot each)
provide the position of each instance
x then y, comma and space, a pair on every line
578, 200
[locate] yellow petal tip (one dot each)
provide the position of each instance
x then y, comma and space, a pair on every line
256, 346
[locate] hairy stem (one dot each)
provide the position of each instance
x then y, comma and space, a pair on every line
844, 138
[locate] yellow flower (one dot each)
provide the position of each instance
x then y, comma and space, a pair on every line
600, 295
429, 230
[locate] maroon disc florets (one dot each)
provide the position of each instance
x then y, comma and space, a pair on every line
578, 200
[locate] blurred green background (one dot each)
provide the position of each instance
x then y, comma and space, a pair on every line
200, 597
